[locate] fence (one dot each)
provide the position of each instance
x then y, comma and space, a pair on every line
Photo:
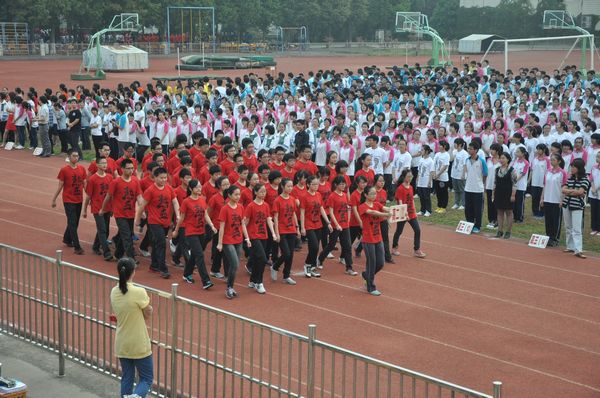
198, 350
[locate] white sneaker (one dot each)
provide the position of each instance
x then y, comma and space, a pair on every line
307, 272
18, 146
289, 281
217, 275
131, 396
172, 246
330, 255
319, 264
416, 196
455, 207
351, 272
420, 213
427, 214
145, 253
461, 207
252, 285
314, 273
273, 274
260, 288
342, 261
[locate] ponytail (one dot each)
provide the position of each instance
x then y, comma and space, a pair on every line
125, 268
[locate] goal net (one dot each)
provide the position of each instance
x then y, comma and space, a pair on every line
544, 52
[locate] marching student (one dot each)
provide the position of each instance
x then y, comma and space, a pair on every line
71, 181
475, 172
372, 213
338, 205
193, 222
311, 211
425, 181
405, 195
232, 233
286, 227
215, 204
574, 192
161, 203
554, 180
360, 183
259, 223
385, 226
504, 194
96, 190
441, 162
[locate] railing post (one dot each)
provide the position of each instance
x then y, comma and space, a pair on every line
174, 333
497, 389
310, 374
61, 320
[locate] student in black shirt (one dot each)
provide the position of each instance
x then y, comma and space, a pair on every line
574, 193
74, 126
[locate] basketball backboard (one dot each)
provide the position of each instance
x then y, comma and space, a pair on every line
558, 19
410, 21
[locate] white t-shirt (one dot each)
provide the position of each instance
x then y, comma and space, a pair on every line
594, 183
475, 170
96, 131
425, 170
539, 167
378, 154
440, 160
553, 183
458, 165
521, 169
401, 161
491, 178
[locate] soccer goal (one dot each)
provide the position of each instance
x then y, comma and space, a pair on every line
533, 51
292, 38
190, 27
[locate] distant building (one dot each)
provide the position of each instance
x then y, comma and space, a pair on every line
575, 7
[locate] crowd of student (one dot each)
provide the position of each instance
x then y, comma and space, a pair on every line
252, 164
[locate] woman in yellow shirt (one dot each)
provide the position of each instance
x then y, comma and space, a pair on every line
131, 305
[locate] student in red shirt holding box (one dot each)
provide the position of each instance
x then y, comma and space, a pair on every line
161, 203
96, 190
123, 193
71, 181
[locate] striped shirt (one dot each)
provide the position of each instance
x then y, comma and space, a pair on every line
576, 202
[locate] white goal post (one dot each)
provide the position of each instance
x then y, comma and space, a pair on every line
503, 45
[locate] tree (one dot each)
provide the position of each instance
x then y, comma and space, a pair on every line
445, 18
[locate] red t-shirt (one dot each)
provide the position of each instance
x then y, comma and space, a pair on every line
278, 167
257, 220
371, 231
219, 149
369, 175
232, 219
199, 162
160, 204
209, 190
180, 194
325, 190
288, 174
309, 166
146, 161
215, 203
193, 212
96, 189
381, 196
251, 161
233, 177
341, 208
111, 166
120, 160
245, 194
227, 166
298, 192
312, 210
176, 181
124, 195
73, 179
354, 201
332, 173
204, 175
146, 182
272, 194
173, 164
194, 152
285, 209
406, 196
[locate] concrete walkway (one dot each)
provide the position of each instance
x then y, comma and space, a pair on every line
38, 368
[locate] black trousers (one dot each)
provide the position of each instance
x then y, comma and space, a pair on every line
63, 136
441, 192
140, 151
553, 220
85, 138
595, 210
415, 173
491, 207
97, 139
73, 213
425, 198
519, 209
344, 237
356, 233
257, 259
313, 236
74, 135
123, 240
287, 243
102, 226
414, 224
194, 242
474, 208
217, 257
114, 147
181, 245
374, 263
385, 233
536, 197
159, 245
388, 186
147, 241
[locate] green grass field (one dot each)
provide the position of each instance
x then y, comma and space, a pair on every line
519, 231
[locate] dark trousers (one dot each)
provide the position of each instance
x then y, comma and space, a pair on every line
287, 243
73, 213
181, 247
519, 209
257, 259
474, 208
114, 148
313, 236
536, 197
52, 132
375, 259
595, 216
425, 198
21, 135
491, 207
85, 138
553, 220
196, 260
385, 233
97, 140
344, 237
217, 256
415, 173
100, 241
324, 234
159, 244
33, 139
123, 240
356, 233
388, 186
63, 136
140, 151
74, 135
441, 191
414, 224
145, 243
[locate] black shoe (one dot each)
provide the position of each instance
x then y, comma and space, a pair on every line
67, 244
207, 285
97, 252
79, 251
165, 275
389, 261
109, 258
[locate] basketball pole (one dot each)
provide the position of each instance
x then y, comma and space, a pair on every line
178, 64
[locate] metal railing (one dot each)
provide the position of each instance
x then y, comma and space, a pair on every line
198, 350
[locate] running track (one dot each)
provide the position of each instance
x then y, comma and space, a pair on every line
476, 310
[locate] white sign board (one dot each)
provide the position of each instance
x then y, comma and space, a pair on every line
465, 227
538, 241
399, 213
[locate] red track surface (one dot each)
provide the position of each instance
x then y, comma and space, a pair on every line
476, 310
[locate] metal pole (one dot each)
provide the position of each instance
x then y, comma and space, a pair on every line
497, 389
592, 47
178, 64
174, 337
310, 374
168, 49
505, 56
61, 321
214, 38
